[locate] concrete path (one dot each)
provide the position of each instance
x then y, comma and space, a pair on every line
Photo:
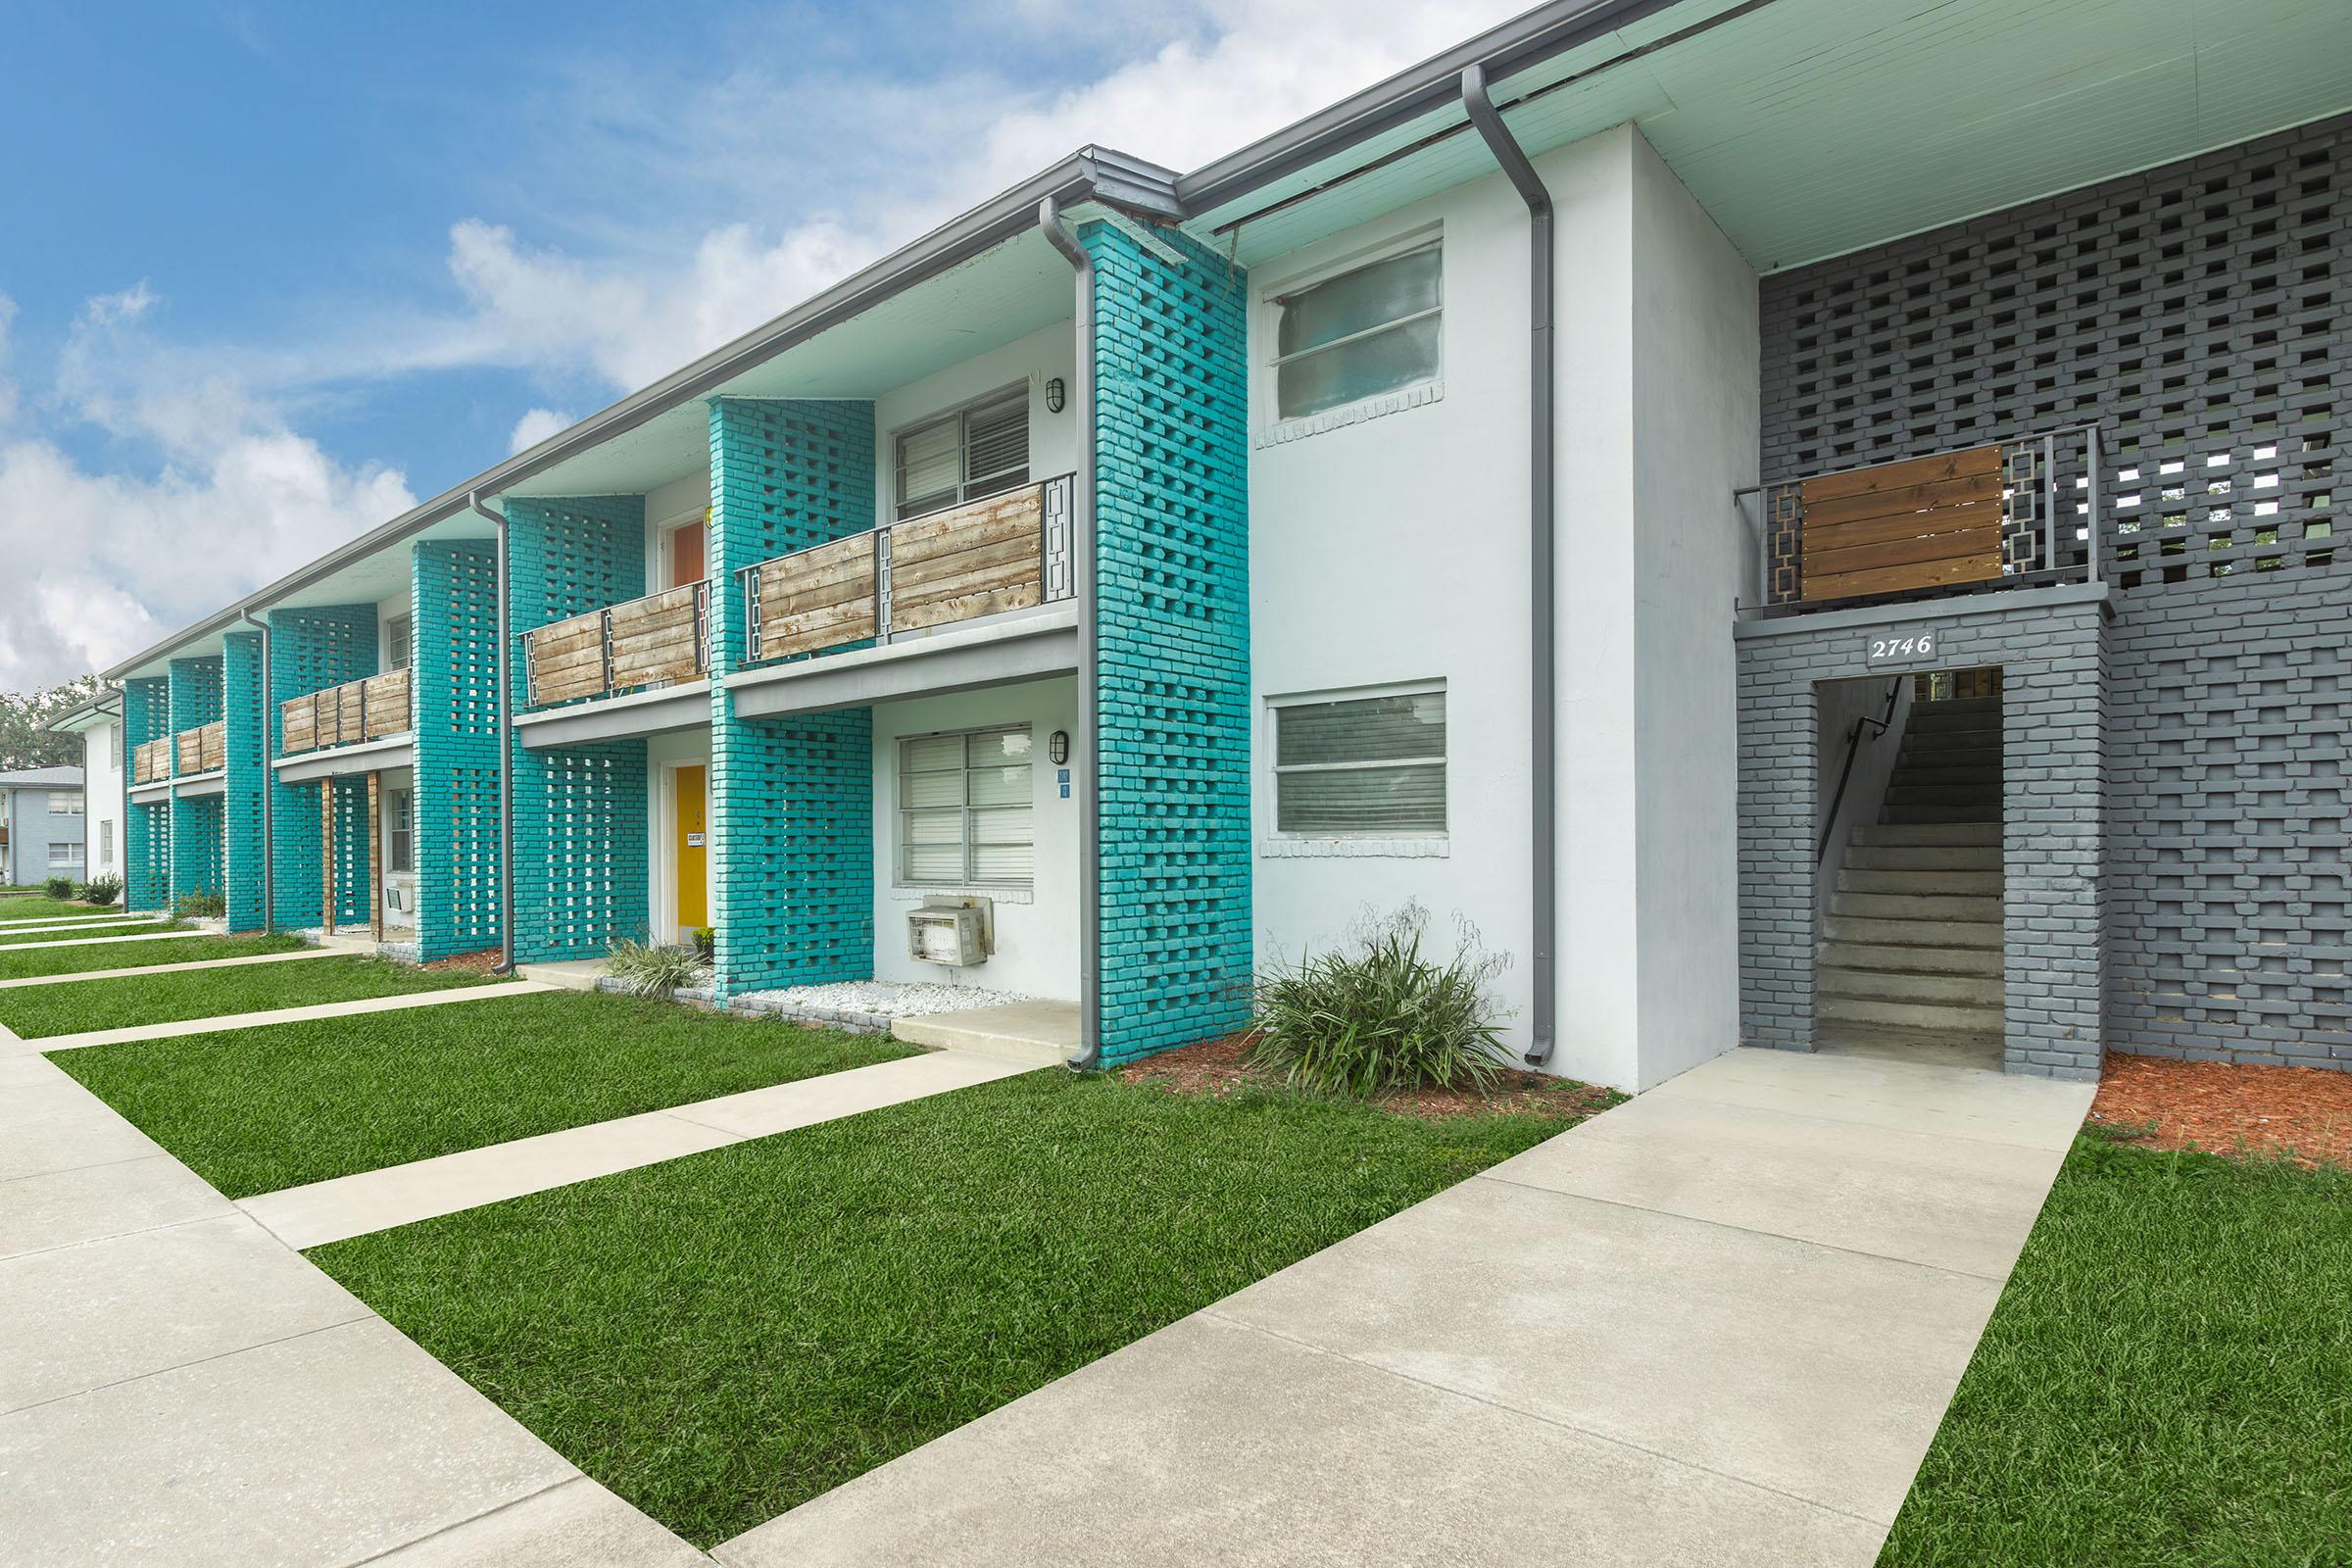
401, 1195
181, 1389
79, 923
163, 968
93, 942
262, 1020
1716, 1325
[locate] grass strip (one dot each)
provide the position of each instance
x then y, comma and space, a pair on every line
10, 940
27, 960
254, 1111
2167, 1379
13, 911
721, 1338
39, 1011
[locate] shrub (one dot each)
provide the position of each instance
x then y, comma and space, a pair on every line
1379, 1014
201, 905
649, 970
706, 942
59, 887
100, 890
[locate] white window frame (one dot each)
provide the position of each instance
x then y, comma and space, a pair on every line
659, 550
392, 659
1274, 842
105, 840
74, 806
901, 811
394, 832
965, 489
64, 853
1265, 373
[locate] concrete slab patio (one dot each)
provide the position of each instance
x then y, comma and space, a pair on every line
1718, 1324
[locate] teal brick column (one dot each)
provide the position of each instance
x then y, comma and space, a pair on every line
1172, 642
456, 676
579, 810
147, 826
248, 775
197, 847
310, 649
792, 811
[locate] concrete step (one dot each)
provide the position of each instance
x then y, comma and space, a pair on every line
1041, 1032
1923, 857
1906, 790
1960, 769
1915, 906
1934, 882
1955, 708
1912, 813
1881, 955
1886, 985
1912, 933
1953, 737
1947, 835
1910, 1014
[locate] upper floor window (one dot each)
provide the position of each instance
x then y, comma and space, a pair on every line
1360, 766
65, 803
1357, 336
976, 451
399, 643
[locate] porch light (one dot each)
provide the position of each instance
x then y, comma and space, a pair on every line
1057, 394
1057, 748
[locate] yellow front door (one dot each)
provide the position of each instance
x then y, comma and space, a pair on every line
694, 857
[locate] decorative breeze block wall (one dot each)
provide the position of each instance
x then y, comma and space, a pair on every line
310, 649
456, 692
197, 825
147, 829
241, 699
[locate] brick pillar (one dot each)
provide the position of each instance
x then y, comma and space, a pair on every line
310, 649
455, 672
197, 847
146, 827
247, 776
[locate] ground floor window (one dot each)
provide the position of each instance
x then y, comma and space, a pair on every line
400, 831
1360, 766
64, 854
966, 809
106, 840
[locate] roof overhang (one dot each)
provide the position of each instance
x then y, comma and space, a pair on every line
99, 710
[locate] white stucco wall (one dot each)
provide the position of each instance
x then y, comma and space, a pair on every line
1034, 360
1037, 927
102, 798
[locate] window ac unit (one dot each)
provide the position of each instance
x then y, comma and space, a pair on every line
948, 931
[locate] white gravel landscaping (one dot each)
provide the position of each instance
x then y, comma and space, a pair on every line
869, 1004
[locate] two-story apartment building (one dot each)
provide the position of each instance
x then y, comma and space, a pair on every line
40, 825
98, 725
1802, 524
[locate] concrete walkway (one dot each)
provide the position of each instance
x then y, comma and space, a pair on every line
401, 1195
179, 1388
1717, 1325
93, 942
77, 923
161, 968
271, 1015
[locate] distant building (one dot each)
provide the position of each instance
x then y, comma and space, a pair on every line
99, 723
41, 825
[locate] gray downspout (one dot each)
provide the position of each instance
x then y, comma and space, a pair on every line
506, 752
1541, 594
1082, 585
269, 787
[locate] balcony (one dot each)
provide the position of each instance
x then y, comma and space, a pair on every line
1004, 552
357, 711
658, 639
202, 750
151, 761
2008, 514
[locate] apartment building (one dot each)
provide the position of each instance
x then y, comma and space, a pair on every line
1802, 526
40, 825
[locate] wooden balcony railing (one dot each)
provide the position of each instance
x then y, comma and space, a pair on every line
151, 761
982, 557
204, 749
368, 709
653, 641
2009, 513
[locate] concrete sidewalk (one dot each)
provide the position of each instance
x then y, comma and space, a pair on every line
181, 1389
135, 971
1717, 1325
273, 1016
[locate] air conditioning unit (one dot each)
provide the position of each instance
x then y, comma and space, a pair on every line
950, 931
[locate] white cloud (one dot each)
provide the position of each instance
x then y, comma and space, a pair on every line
535, 427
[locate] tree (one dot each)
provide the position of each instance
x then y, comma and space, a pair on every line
26, 740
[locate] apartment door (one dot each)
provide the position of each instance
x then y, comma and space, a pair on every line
686, 555
691, 784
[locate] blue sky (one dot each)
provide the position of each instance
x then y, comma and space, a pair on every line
271, 270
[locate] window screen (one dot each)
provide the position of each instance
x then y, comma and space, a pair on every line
1360, 335
399, 644
974, 452
964, 808
1364, 767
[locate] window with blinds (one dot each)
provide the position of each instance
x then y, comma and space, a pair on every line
966, 809
399, 643
400, 832
1361, 766
1360, 335
979, 451
65, 803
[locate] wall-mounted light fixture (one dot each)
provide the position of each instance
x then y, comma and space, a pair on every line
1057, 394
1058, 747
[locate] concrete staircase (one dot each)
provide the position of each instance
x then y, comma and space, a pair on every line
1913, 938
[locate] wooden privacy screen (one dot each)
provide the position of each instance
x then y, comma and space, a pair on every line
344, 715
1928, 523
658, 638
204, 749
980, 558
816, 598
567, 659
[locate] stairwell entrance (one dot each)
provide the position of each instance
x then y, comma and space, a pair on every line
1910, 956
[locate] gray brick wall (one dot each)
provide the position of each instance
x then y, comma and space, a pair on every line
2052, 649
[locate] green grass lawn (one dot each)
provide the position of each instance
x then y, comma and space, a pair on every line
256, 1110
16, 911
78, 933
2167, 1380
37, 1011
27, 960
724, 1337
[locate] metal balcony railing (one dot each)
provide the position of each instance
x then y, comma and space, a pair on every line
655, 641
1005, 552
2005, 514
367, 710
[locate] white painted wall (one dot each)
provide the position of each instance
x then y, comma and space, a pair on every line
1395, 549
1035, 360
1036, 928
102, 798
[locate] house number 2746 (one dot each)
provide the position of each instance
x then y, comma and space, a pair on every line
1888, 647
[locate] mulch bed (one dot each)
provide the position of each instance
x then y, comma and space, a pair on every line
1216, 1067
481, 963
2303, 1112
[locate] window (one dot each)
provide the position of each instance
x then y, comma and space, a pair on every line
399, 643
974, 452
1360, 335
400, 831
68, 853
1361, 766
965, 812
65, 803
106, 842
